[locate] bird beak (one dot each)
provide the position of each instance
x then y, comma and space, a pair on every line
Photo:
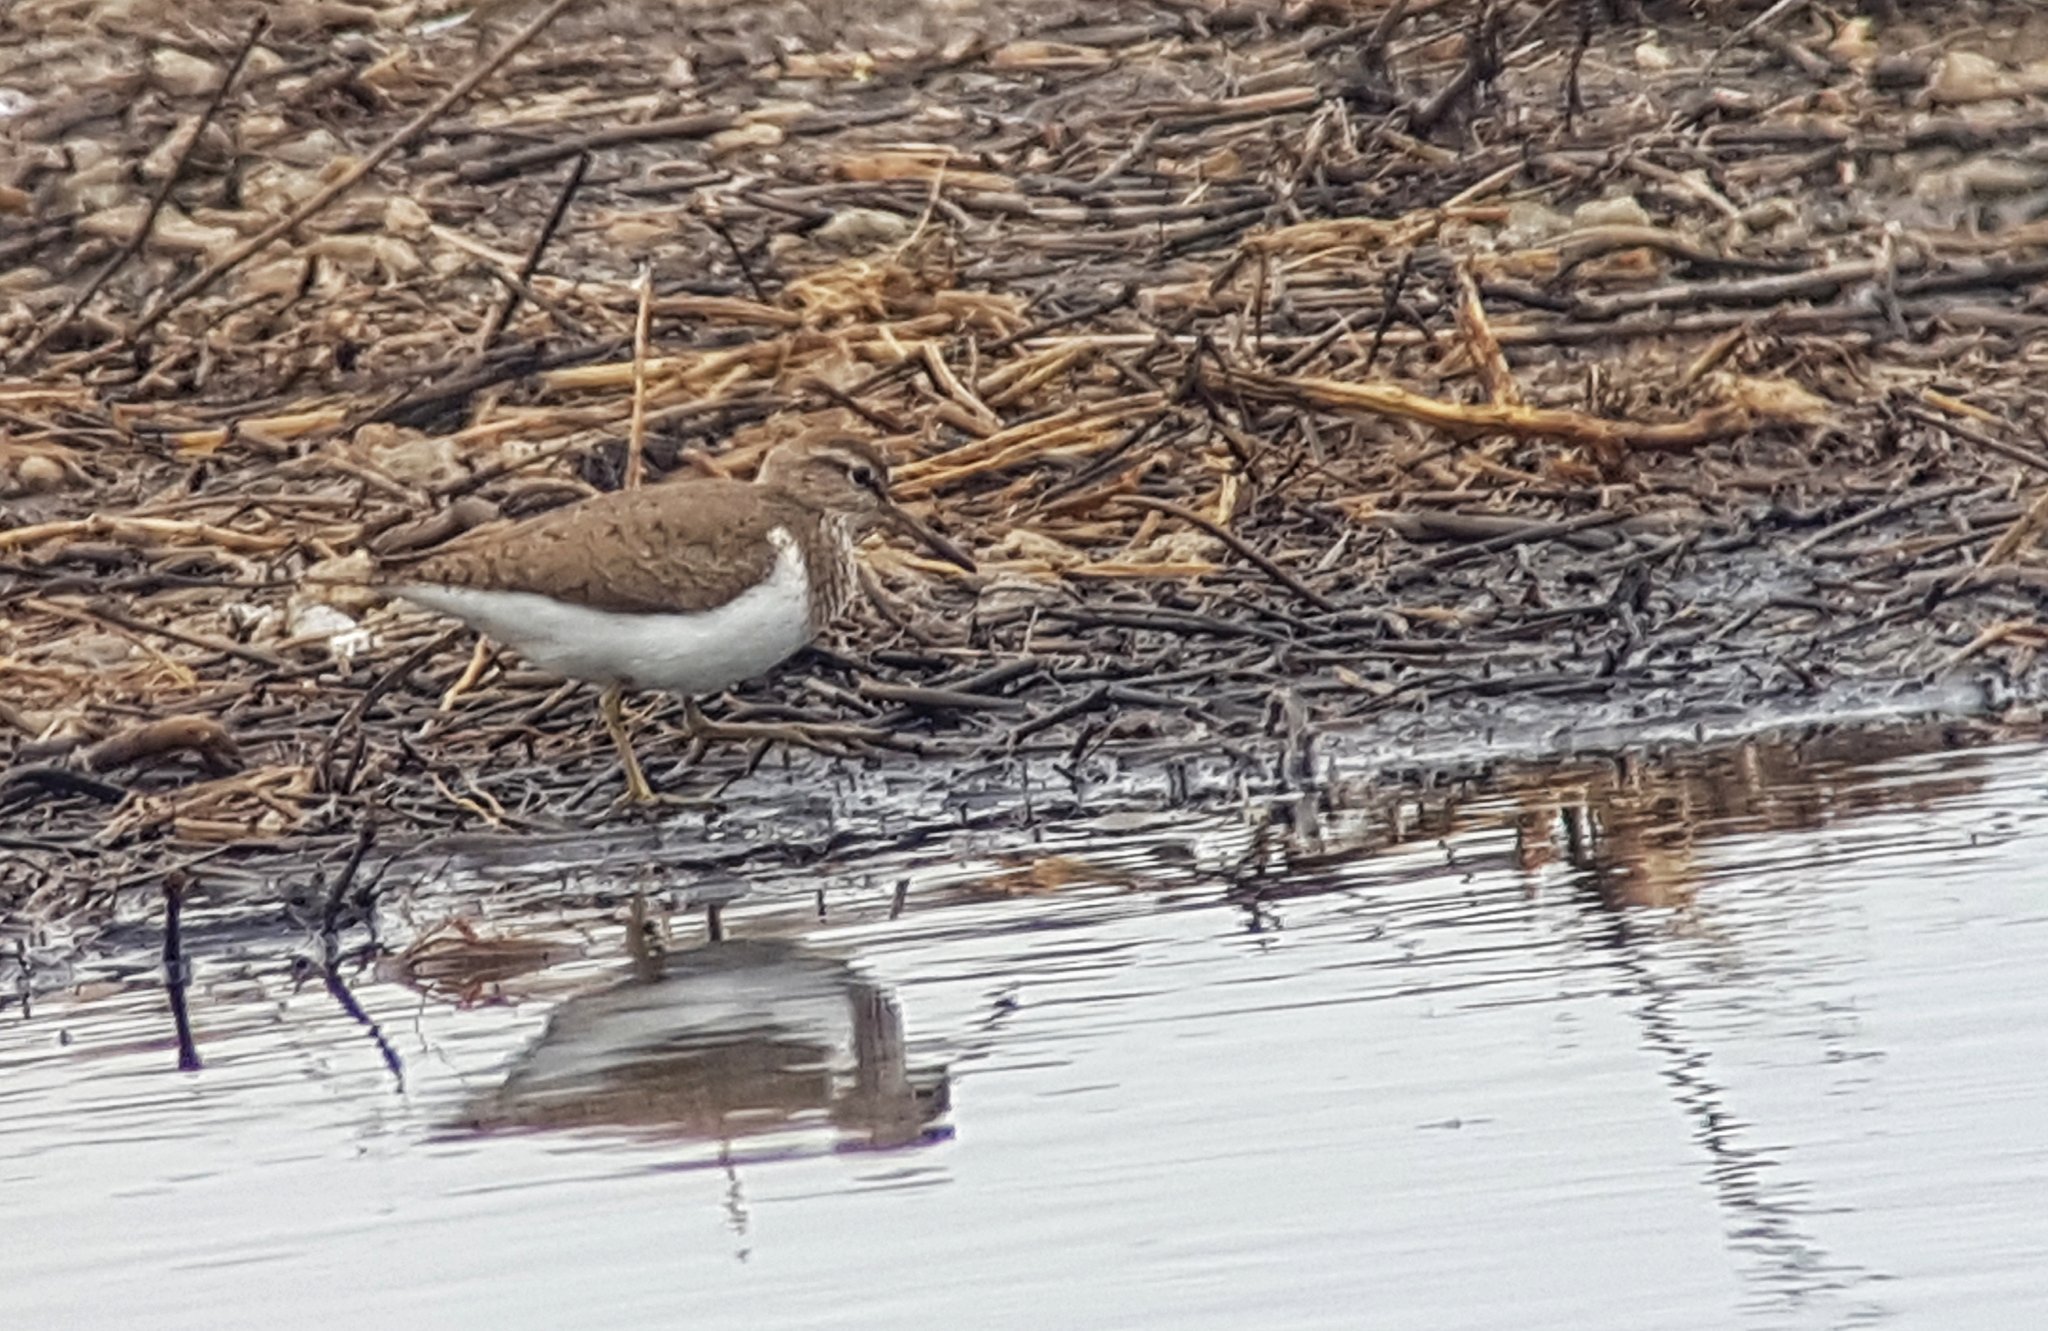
926, 537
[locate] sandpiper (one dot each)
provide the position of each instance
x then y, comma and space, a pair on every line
690, 586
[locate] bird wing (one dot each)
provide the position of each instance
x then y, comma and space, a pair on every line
687, 545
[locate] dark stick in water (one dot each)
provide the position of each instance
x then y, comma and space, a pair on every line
178, 972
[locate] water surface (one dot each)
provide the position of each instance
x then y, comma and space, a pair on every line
1748, 1036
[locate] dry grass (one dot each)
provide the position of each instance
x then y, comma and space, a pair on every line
1283, 369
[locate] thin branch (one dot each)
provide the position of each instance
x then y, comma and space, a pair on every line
503, 312
636, 434
1237, 543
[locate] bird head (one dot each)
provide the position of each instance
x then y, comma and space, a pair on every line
845, 476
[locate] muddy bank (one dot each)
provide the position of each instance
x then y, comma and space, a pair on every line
1383, 371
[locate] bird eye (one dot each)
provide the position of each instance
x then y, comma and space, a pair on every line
863, 476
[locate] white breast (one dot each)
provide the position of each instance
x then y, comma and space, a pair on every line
688, 653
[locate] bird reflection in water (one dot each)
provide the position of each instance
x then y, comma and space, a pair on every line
761, 1039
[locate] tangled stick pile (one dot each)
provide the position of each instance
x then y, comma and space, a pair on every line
1286, 367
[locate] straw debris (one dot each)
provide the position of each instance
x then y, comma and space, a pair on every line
1388, 360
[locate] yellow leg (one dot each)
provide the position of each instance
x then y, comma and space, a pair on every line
637, 788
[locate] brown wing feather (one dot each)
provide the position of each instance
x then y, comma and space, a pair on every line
686, 545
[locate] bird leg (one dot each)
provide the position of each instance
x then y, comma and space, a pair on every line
637, 788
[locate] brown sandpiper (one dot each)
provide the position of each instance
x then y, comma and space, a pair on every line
688, 586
